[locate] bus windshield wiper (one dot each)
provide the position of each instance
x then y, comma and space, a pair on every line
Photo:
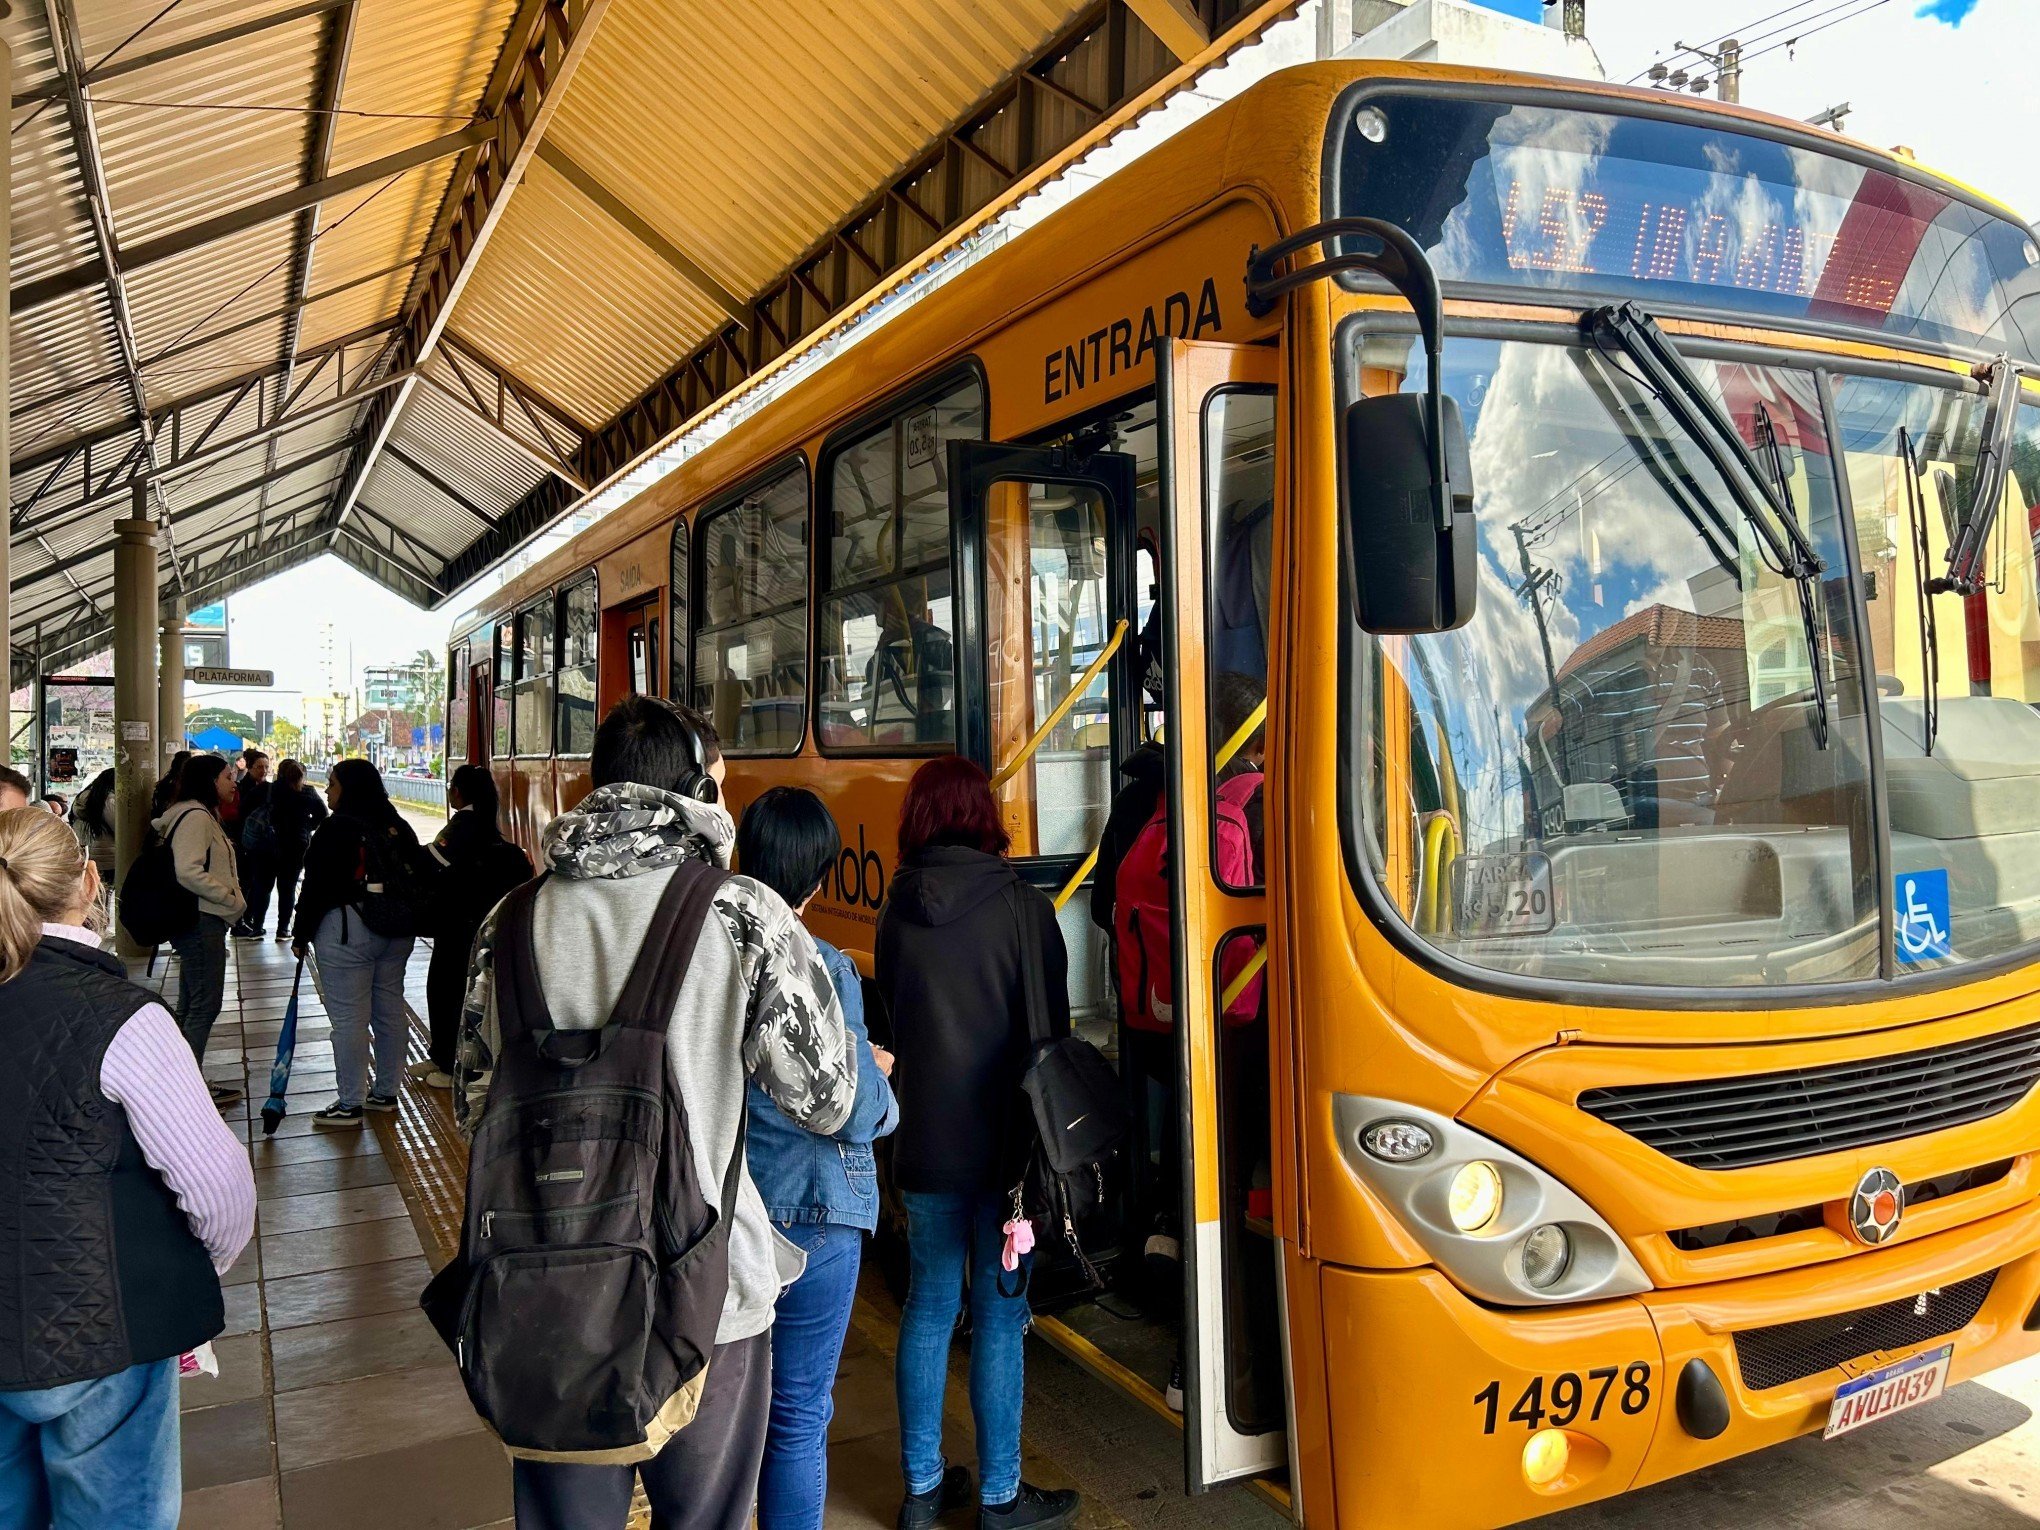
1987, 493
1764, 504
1809, 614
1930, 646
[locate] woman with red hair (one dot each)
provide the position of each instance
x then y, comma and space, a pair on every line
959, 930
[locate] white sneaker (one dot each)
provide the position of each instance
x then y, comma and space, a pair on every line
438, 1080
422, 1069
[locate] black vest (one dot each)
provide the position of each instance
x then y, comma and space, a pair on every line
99, 1270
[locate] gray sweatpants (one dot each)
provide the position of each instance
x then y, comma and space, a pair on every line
705, 1479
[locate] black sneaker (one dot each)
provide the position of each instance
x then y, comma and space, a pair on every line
245, 932
1033, 1507
225, 1094
380, 1102
920, 1510
338, 1117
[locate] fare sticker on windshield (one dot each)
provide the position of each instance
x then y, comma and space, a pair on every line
1924, 929
1503, 894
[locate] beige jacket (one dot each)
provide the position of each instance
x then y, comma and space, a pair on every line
205, 860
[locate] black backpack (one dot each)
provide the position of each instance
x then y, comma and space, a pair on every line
394, 900
1080, 1117
154, 906
583, 1304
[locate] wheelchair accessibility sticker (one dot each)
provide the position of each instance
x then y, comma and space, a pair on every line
1923, 923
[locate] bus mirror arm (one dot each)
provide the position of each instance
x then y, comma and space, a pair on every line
1406, 481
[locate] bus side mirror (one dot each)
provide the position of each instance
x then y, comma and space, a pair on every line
1411, 559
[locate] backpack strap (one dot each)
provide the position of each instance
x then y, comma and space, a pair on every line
520, 1003
653, 987
1032, 979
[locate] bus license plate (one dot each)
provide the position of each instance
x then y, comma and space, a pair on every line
1890, 1390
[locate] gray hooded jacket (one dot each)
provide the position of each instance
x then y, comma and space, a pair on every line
757, 1001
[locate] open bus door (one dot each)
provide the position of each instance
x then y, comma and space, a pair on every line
1234, 1409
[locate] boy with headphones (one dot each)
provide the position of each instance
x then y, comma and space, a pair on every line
757, 1003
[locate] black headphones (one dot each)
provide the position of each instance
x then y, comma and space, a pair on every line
695, 783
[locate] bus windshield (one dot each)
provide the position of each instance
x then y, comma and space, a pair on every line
1684, 210
1622, 770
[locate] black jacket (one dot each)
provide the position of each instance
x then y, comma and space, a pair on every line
1147, 781
334, 862
294, 816
476, 866
99, 1270
949, 964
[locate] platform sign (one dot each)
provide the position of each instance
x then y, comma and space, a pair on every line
260, 679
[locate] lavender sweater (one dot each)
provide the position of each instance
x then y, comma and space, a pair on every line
150, 1073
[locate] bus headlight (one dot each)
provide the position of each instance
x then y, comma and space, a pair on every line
1546, 1254
1475, 1199
1500, 1227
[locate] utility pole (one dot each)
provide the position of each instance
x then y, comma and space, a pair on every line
1728, 71
1532, 590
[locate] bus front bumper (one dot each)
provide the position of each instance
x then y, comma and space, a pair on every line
1435, 1399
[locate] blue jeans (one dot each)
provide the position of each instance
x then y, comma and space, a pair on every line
201, 979
943, 1233
808, 1325
362, 978
93, 1453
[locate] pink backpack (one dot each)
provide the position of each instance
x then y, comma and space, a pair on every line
1141, 917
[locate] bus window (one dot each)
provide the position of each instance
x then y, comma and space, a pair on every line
531, 695
456, 719
888, 676
750, 654
574, 724
1047, 617
506, 677
1239, 443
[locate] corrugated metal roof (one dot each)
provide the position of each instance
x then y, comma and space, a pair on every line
691, 146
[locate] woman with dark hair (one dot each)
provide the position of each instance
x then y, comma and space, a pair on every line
92, 822
204, 857
820, 1192
295, 811
471, 866
953, 953
166, 784
358, 874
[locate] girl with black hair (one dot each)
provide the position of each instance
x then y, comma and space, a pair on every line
204, 857
93, 824
356, 853
471, 866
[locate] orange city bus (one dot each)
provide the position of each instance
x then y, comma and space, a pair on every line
1607, 520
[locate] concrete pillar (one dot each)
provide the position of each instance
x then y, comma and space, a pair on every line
170, 678
135, 697
6, 442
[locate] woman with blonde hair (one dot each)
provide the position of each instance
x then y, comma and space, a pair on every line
142, 1197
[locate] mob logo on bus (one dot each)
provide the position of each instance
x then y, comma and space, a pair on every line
1876, 1207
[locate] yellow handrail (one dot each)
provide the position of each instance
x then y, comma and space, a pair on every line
1069, 888
1241, 734
1062, 708
1441, 846
1244, 976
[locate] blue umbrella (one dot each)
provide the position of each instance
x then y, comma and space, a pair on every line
279, 1071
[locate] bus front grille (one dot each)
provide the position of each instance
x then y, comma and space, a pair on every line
1756, 1118
1789, 1352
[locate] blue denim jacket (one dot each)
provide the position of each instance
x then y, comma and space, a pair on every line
806, 1178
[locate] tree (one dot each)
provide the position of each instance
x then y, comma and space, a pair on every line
433, 673
286, 738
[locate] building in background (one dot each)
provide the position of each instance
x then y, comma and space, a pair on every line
325, 725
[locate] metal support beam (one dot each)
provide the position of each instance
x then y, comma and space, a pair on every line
135, 62
64, 44
1176, 23
621, 214
538, 67
135, 694
270, 209
336, 48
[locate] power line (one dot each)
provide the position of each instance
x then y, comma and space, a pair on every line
1680, 50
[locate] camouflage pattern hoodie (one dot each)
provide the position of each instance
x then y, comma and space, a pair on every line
757, 1001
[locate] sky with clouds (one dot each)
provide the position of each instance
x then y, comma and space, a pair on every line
1949, 78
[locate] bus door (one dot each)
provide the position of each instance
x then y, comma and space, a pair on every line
1044, 537
1216, 409
633, 634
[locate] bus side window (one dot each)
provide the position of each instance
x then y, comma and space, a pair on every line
456, 718
750, 653
531, 698
1240, 517
574, 730
506, 677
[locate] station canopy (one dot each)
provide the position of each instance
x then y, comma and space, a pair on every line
405, 280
